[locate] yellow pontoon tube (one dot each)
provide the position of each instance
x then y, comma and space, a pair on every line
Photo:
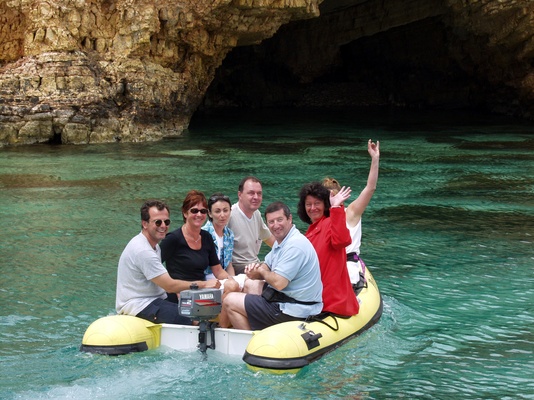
292, 345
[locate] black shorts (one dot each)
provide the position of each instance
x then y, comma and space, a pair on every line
261, 313
162, 311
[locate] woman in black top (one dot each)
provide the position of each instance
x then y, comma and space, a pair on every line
188, 250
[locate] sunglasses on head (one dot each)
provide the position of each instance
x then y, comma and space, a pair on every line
196, 211
217, 197
158, 222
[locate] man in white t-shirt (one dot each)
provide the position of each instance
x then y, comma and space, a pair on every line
142, 280
248, 225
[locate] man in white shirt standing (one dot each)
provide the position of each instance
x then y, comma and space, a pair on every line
247, 224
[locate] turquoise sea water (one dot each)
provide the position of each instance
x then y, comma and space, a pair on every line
448, 236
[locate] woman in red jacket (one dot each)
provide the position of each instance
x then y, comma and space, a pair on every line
329, 235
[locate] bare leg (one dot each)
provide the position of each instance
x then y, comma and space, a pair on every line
253, 286
234, 308
229, 286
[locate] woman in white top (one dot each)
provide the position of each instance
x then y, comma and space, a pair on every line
355, 211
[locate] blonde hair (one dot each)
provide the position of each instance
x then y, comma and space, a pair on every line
331, 184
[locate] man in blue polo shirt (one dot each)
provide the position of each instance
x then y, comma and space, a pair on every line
286, 286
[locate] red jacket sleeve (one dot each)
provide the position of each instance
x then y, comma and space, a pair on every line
339, 233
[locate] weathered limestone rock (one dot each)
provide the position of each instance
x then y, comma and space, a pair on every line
87, 71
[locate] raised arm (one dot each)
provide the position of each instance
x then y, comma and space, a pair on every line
356, 209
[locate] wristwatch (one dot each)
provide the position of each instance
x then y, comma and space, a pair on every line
193, 286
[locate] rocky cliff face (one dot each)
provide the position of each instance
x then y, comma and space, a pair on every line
409, 53
87, 71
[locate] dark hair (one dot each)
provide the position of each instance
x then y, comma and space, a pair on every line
277, 205
248, 178
191, 198
160, 205
215, 197
315, 189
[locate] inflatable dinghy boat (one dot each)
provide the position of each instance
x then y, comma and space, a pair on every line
280, 348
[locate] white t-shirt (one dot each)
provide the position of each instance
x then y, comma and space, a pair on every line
138, 264
354, 267
248, 236
356, 236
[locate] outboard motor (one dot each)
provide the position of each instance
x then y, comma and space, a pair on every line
202, 305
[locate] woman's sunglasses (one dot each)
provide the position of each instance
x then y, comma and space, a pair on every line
196, 211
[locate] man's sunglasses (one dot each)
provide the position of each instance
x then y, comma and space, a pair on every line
158, 222
196, 211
